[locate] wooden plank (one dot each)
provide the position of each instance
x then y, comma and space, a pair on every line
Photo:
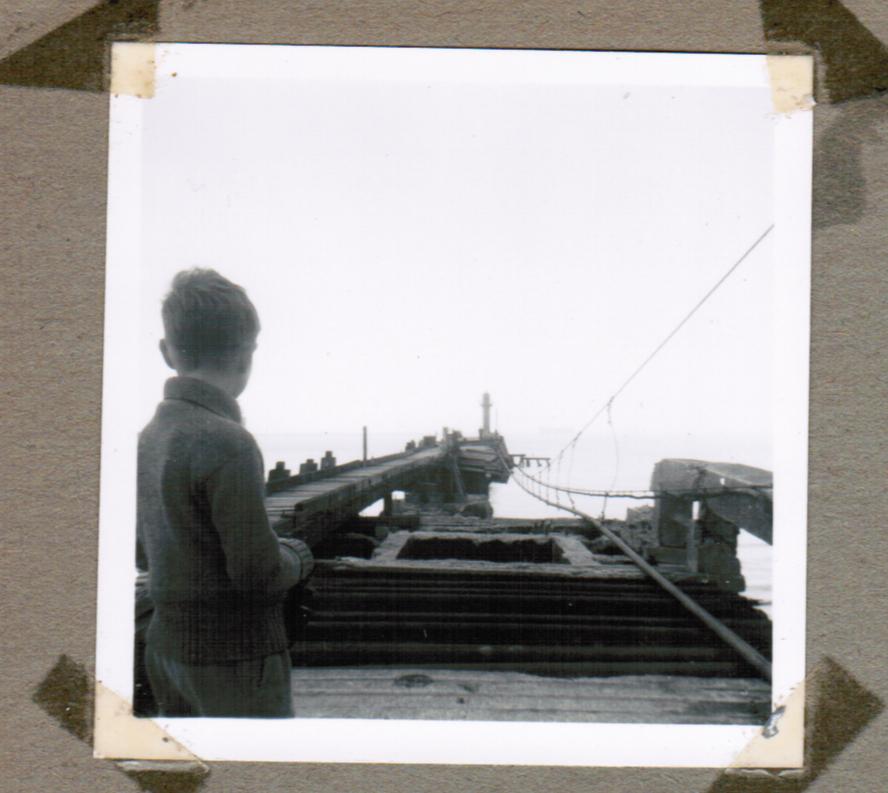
352, 652
417, 693
348, 570
461, 566
591, 707
528, 619
384, 710
534, 603
560, 587
591, 669
369, 476
495, 633
343, 679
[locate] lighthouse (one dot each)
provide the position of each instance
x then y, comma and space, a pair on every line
486, 404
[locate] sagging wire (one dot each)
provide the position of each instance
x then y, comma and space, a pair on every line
573, 451
613, 484
669, 336
570, 447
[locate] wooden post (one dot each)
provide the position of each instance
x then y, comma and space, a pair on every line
693, 543
458, 486
365, 445
387, 504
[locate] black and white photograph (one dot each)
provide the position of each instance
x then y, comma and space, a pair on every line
455, 405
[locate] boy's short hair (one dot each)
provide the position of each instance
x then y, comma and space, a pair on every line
207, 318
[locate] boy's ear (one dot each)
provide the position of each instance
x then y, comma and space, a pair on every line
244, 360
165, 352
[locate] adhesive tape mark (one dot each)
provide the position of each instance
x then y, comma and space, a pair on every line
74, 55
67, 694
780, 744
119, 734
837, 710
133, 65
854, 61
792, 82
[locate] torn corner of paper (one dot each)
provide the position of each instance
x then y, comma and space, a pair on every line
792, 82
120, 735
781, 742
133, 66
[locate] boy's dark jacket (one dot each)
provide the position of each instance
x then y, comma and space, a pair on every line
218, 573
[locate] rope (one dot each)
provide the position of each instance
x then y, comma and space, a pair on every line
613, 484
669, 337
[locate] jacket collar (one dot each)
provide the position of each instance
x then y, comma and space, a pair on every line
201, 393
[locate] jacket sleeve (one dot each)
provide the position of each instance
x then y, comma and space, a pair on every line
141, 556
256, 560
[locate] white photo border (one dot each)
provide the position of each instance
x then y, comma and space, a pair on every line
453, 742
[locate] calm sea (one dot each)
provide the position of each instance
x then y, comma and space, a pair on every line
596, 463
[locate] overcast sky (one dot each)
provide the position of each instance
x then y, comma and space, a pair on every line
412, 243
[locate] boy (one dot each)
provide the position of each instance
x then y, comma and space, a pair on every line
216, 644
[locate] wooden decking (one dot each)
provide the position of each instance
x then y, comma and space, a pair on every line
453, 694
313, 508
608, 620
457, 617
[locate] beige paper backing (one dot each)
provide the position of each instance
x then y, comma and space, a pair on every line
52, 213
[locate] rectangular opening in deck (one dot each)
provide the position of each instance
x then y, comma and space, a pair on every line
483, 550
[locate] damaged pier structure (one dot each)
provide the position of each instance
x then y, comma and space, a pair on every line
436, 609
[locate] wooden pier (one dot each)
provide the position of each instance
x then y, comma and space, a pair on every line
436, 609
